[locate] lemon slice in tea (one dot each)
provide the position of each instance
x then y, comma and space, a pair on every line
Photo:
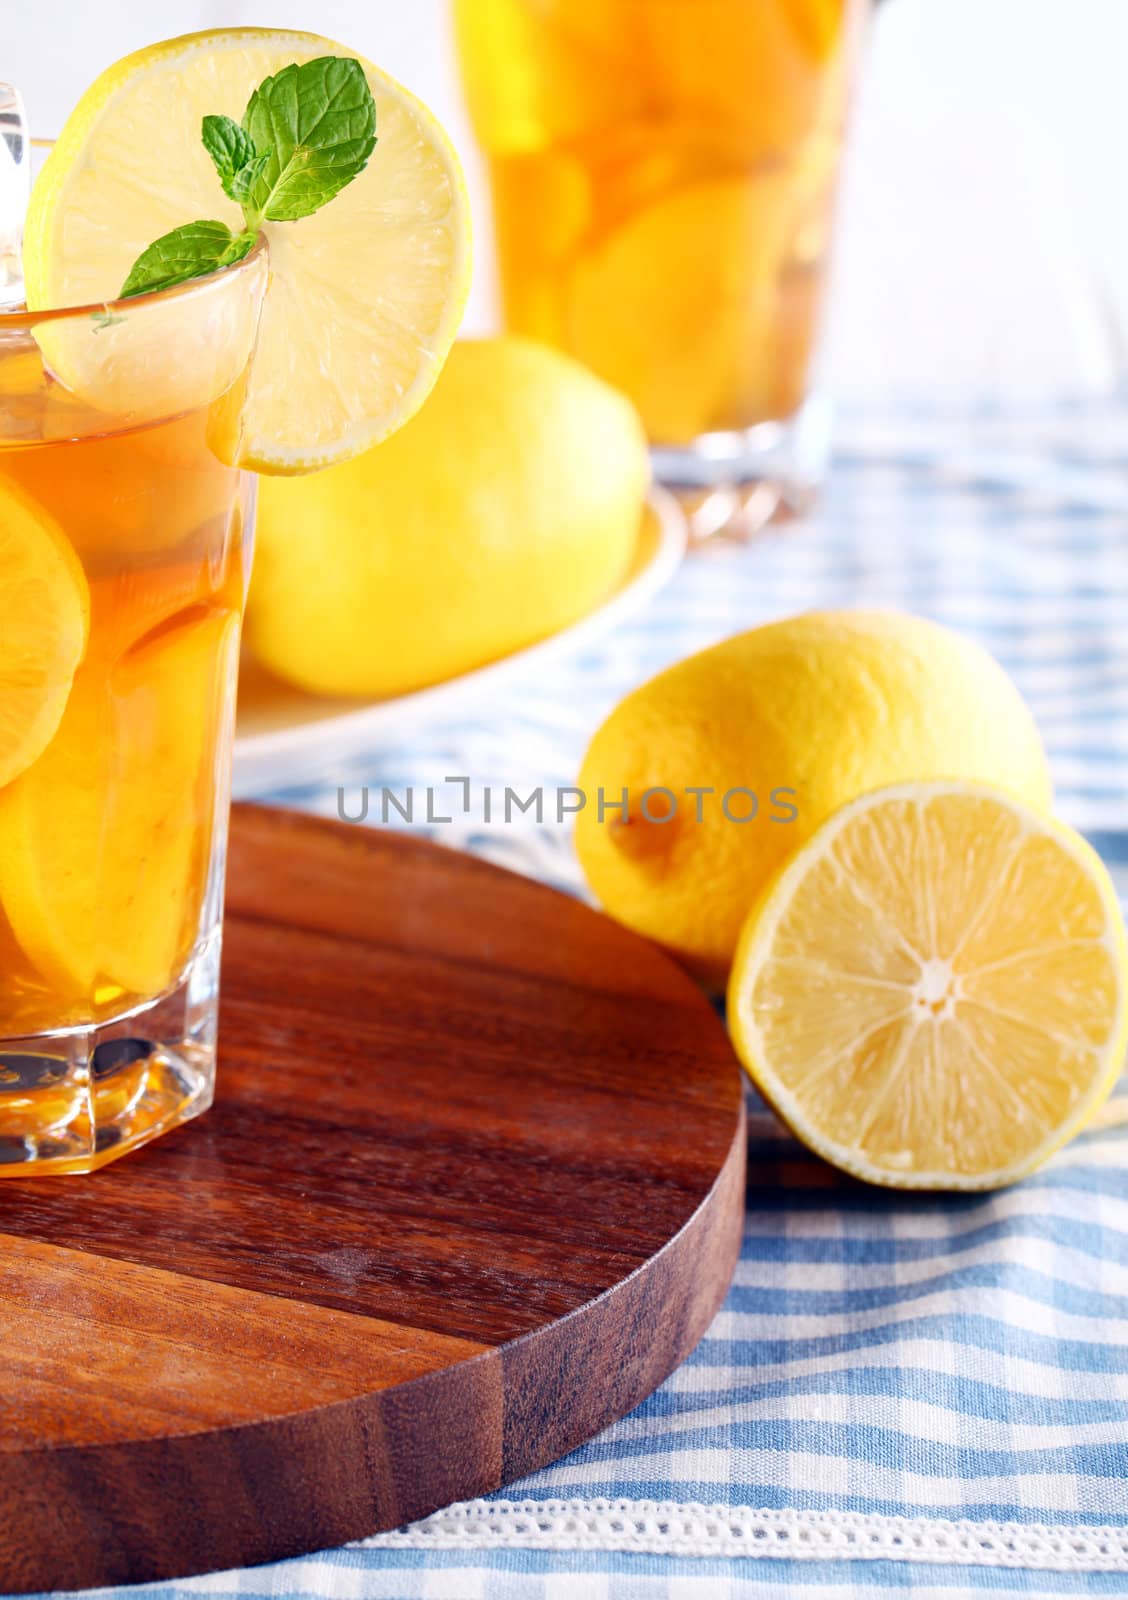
44, 623
104, 842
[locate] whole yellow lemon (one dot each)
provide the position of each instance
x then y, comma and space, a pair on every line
505, 510
715, 771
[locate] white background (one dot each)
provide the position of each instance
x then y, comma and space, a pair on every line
984, 226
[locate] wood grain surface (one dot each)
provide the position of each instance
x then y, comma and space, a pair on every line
471, 1188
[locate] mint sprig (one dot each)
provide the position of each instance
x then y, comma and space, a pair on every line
188, 252
305, 134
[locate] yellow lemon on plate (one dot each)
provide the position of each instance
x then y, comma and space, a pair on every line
365, 295
933, 993
789, 721
507, 509
44, 625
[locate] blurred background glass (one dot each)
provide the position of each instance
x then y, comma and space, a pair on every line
663, 175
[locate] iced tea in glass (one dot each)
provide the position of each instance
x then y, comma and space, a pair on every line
663, 175
125, 543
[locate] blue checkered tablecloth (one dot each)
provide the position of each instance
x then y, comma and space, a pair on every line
918, 1394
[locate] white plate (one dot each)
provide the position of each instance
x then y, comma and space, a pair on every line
284, 736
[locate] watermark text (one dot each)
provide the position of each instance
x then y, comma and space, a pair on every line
556, 805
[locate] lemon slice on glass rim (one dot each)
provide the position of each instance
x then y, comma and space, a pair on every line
933, 993
365, 295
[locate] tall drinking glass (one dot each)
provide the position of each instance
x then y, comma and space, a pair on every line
125, 543
663, 175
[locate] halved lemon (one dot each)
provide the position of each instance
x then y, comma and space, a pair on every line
44, 624
365, 295
934, 991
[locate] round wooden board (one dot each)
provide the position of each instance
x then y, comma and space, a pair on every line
471, 1188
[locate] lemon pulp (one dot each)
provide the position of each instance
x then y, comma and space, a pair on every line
935, 991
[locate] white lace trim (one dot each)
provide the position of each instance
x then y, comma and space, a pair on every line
667, 1528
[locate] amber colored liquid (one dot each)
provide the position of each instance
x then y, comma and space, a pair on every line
105, 840
663, 174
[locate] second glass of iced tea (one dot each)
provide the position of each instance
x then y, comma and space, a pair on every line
663, 175
125, 542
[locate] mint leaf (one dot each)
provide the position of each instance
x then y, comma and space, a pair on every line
318, 121
188, 252
230, 147
245, 180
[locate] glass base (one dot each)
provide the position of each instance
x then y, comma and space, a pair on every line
73, 1100
735, 483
